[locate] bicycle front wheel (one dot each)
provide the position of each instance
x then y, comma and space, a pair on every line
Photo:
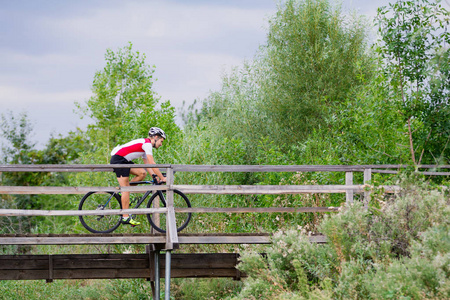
100, 201
158, 220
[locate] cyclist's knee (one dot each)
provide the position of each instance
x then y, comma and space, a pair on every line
141, 174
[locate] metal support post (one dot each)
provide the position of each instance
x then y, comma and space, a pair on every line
167, 283
157, 277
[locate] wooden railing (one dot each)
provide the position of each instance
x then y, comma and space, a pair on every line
349, 188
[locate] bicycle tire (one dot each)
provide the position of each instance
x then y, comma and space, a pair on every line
100, 223
182, 219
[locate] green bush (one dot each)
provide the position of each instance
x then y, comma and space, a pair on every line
400, 250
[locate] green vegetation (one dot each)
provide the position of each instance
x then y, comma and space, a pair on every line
399, 249
320, 93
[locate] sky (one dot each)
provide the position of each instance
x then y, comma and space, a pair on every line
50, 50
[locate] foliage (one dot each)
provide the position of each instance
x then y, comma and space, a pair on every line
198, 288
124, 105
314, 56
291, 88
19, 149
414, 50
76, 289
399, 250
369, 129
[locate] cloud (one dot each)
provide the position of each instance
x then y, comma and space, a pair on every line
13, 97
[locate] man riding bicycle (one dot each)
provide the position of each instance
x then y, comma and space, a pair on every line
125, 154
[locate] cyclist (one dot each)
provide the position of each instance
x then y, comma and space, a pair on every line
125, 154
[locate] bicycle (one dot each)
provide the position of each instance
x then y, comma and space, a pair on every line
109, 223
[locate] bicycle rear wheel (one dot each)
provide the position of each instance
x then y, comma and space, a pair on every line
158, 220
100, 201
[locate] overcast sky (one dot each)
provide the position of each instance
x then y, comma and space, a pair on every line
51, 49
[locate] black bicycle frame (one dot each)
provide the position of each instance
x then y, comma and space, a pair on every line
148, 193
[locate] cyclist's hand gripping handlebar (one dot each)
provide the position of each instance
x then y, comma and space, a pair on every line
155, 179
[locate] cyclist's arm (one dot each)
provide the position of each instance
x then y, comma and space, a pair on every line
149, 160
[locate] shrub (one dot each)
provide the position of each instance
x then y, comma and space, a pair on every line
398, 250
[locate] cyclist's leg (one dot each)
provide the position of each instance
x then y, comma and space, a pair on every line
125, 181
139, 173
123, 177
126, 218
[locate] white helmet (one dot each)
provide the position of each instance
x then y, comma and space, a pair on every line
157, 131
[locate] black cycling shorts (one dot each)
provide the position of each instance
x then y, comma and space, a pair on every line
121, 172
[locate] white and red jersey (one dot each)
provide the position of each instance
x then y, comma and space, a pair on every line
134, 149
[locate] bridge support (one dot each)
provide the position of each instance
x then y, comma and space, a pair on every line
167, 282
155, 251
157, 290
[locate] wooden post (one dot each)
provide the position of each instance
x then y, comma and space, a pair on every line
349, 193
367, 180
171, 225
156, 216
171, 230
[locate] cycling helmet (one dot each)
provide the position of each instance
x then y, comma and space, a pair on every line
157, 131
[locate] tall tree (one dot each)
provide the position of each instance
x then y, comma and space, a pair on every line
124, 105
315, 55
414, 47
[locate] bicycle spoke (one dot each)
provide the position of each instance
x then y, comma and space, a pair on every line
158, 220
100, 201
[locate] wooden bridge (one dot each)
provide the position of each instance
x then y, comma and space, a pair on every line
149, 265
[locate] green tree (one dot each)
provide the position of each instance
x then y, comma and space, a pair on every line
19, 149
16, 131
415, 55
124, 105
315, 56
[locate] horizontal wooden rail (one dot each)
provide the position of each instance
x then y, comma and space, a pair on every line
54, 213
75, 168
104, 239
212, 168
144, 211
68, 190
276, 189
198, 189
234, 210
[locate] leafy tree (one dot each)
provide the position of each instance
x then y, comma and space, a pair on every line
19, 149
315, 55
124, 105
414, 50
313, 59
16, 131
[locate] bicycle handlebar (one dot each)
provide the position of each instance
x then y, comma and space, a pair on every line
154, 181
